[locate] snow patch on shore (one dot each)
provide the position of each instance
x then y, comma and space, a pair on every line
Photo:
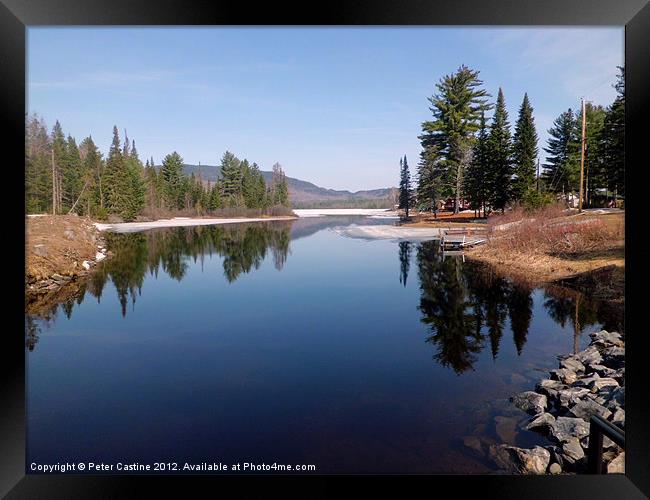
397, 233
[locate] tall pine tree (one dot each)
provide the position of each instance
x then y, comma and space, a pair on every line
456, 108
500, 156
405, 190
524, 151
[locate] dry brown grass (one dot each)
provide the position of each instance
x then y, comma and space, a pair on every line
551, 244
64, 242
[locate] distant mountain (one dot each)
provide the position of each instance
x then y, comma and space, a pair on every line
305, 194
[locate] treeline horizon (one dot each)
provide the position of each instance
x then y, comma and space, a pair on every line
466, 159
62, 177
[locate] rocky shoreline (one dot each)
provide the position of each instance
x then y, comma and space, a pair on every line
60, 252
589, 382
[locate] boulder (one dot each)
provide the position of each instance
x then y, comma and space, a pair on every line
572, 450
585, 408
617, 465
606, 339
618, 417
601, 383
542, 423
566, 428
602, 370
69, 234
520, 460
555, 468
530, 402
564, 375
586, 381
590, 356
549, 387
572, 395
572, 363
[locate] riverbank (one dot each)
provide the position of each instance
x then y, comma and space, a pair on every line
590, 382
59, 250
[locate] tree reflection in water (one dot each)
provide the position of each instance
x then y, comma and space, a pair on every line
243, 248
466, 306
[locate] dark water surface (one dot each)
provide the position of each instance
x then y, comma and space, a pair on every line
287, 343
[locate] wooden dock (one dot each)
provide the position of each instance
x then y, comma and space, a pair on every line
461, 238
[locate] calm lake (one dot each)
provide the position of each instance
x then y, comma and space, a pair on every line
288, 343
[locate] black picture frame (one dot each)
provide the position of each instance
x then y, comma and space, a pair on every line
17, 15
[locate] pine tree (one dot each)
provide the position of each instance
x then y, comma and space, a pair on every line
136, 177
477, 187
500, 156
58, 158
171, 178
93, 170
524, 151
611, 143
279, 186
405, 190
562, 168
38, 167
231, 180
456, 109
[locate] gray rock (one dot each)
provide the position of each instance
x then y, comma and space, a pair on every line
585, 408
590, 356
618, 417
600, 383
530, 402
572, 363
564, 375
572, 450
555, 468
572, 395
602, 370
586, 381
617, 465
543, 422
566, 428
40, 250
69, 234
520, 460
506, 429
606, 339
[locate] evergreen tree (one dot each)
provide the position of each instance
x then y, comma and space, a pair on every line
231, 180
137, 182
93, 167
524, 151
428, 180
500, 156
171, 180
405, 192
121, 198
279, 186
611, 144
477, 187
72, 174
456, 109
562, 167
38, 167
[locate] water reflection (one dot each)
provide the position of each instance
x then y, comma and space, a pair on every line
243, 248
466, 307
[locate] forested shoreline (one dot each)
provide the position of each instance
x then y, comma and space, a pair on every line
64, 177
472, 160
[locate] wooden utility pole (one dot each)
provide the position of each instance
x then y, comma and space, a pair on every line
582, 154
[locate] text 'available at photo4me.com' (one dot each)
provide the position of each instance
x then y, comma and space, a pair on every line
165, 467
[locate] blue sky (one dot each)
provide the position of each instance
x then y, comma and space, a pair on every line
334, 106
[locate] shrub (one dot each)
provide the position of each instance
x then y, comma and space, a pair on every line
533, 200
